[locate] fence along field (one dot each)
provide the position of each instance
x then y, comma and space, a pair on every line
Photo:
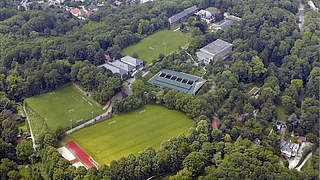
61, 108
130, 132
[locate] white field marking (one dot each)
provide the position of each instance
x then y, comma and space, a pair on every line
78, 164
176, 29
87, 101
151, 48
112, 122
79, 120
66, 153
164, 44
143, 111
71, 110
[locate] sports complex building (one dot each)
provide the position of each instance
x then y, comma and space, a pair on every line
179, 81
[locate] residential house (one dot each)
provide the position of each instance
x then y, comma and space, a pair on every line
177, 18
75, 11
207, 15
302, 139
239, 117
256, 142
112, 6
312, 6
92, 7
107, 56
289, 149
144, 1
215, 122
118, 3
213, 50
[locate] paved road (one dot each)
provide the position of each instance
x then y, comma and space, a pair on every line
307, 158
32, 137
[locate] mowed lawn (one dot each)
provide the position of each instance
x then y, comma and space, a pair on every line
131, 133
61, 106
164, 42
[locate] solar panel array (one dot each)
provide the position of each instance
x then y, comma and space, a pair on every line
175, 78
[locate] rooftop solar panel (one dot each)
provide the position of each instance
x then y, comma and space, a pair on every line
162, 74
168, 76
190, 82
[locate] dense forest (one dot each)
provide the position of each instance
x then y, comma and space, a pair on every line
43, 49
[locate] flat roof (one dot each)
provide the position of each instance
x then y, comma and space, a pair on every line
179, 81
131, 61
114, 69
215, 47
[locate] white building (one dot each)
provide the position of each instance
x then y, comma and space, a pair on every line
313, 7
214, 50
289, 148
144, 1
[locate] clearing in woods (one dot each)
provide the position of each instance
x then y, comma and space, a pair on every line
61, 107
164, 42
131, 132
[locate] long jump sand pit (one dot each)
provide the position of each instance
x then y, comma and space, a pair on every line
66, 153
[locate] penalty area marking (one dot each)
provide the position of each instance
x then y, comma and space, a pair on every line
143, 111
112, 122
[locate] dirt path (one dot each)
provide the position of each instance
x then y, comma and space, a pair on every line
32, 136
87, 94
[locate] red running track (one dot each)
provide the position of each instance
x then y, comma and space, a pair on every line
81, 154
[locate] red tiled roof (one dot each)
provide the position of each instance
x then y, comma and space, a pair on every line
239, 117
75, 11
215, 122
113, 6
88, 13
107, 57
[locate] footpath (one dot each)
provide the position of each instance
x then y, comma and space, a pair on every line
32, 136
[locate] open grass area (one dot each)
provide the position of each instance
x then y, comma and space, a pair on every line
37, 123
164, 42
282, 113
131, 133
60, 107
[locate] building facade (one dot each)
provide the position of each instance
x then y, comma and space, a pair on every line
218, 48
124, 66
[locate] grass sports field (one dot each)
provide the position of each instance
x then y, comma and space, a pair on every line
58, 107
164, 42
131, 133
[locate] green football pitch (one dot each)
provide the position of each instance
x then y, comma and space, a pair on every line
131, 133
164, 42
61, 107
